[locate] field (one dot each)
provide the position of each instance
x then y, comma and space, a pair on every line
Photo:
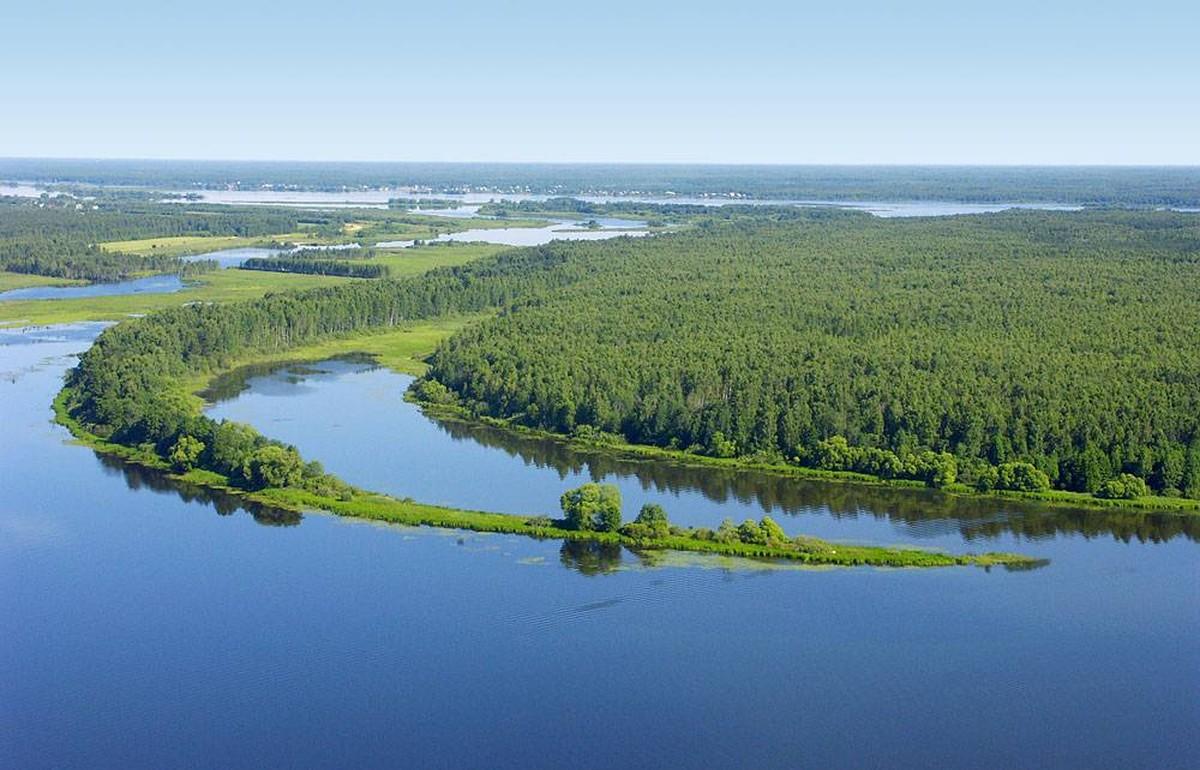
10, 281
184, 245
402, 349
218, 286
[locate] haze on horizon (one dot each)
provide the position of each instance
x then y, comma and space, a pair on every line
929, 82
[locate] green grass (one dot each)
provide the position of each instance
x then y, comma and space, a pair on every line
183, 245
217, 286
419, 259
10, 281
402, 349
223, 286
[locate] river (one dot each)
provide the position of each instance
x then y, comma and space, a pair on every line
154, 625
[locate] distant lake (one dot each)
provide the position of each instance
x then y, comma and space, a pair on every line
226, 258
561, 229
153, 284
379, 199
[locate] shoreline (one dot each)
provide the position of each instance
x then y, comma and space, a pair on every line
624, 450
413, 365
378, 507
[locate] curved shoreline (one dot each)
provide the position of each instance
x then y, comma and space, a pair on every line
413, 365
377, 507
1057, 498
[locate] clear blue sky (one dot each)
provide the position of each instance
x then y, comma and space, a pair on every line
1009, 81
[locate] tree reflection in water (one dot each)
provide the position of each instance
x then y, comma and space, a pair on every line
139, 477
973, 518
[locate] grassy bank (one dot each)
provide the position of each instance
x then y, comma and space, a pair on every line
217, 286
10, 281
376, 507
405, 349
402, 349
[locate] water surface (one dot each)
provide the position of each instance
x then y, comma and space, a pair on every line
471, 201
333, 409
153, 284
559, 229
156, 626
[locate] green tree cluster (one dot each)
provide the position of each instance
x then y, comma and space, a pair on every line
592, 508
1022, 350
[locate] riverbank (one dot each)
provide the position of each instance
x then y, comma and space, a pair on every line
377, 507
625, 450
404, 349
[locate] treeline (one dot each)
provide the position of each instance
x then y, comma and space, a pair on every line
1021, 350
96, 222
1156, 186
597, 508
647, 210
61, 258
59, 236
316, 267
349, 252
1009, 351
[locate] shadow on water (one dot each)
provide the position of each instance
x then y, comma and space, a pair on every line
138, 477
929, 511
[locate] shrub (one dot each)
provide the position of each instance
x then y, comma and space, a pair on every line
185, 454
1021, 477
1125, 486
592, 507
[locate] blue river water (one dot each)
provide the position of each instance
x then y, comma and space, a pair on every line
151, 625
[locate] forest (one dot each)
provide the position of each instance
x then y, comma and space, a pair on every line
60, 236
1021, 351
291, 264
1018, 351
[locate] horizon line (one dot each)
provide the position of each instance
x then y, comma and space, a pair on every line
771, 164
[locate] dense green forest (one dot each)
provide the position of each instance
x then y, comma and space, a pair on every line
59, 236
654, 213
96, 222
1013, 351
316, 267
1137, 186
64, 258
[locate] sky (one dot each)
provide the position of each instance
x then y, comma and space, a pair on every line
741, 81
